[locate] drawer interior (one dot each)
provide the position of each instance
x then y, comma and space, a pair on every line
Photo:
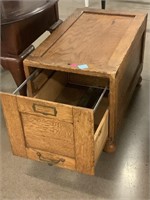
60, 89
76, 90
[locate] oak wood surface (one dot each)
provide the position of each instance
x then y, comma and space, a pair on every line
69, 163
124, 79
134, 25
98, 29
87, 80
100, 136
100, 111
40, 80
84, 140
112, 46
47, 134
71, 94
25, 105
13, 123
53, 87
132, 35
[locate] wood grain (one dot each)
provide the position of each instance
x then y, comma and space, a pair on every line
124, 79
84, 140
25, 105
133, 33
48, 134
112, 45
71, 94
103, 28
94, 50
100, 111
128, 94
52, 87
112, 105
127, 58
13, 123
101, 136
58, 33
69, 163
87, 80
40, 80
110, 37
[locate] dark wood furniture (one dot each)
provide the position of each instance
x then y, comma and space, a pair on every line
61, 121
22, 22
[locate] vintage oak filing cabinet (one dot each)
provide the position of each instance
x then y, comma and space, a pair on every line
80, 82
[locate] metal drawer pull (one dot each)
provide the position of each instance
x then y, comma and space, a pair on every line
51, 162
45, 110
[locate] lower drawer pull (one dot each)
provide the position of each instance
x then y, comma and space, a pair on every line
51, 162
45, 110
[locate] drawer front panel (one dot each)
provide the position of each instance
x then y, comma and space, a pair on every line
52, 159
48, 134
44, 108
53, 139
84, 140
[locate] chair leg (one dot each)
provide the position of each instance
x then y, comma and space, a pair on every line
103, 3
86, 3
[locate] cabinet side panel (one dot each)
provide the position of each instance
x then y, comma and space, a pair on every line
13, 123
128, 58
127, 78
84, 140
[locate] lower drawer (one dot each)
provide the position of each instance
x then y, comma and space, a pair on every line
63, 124
51, 159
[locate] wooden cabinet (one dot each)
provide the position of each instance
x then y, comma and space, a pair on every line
84, 76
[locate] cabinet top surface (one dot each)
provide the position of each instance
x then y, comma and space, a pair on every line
95, 39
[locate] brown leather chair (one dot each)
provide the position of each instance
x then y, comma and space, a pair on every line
22, 22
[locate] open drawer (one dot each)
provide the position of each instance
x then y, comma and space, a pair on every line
65, 123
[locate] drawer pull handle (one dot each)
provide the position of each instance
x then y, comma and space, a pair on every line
45, 110
51, 162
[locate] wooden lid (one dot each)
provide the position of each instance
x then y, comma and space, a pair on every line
95, 38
